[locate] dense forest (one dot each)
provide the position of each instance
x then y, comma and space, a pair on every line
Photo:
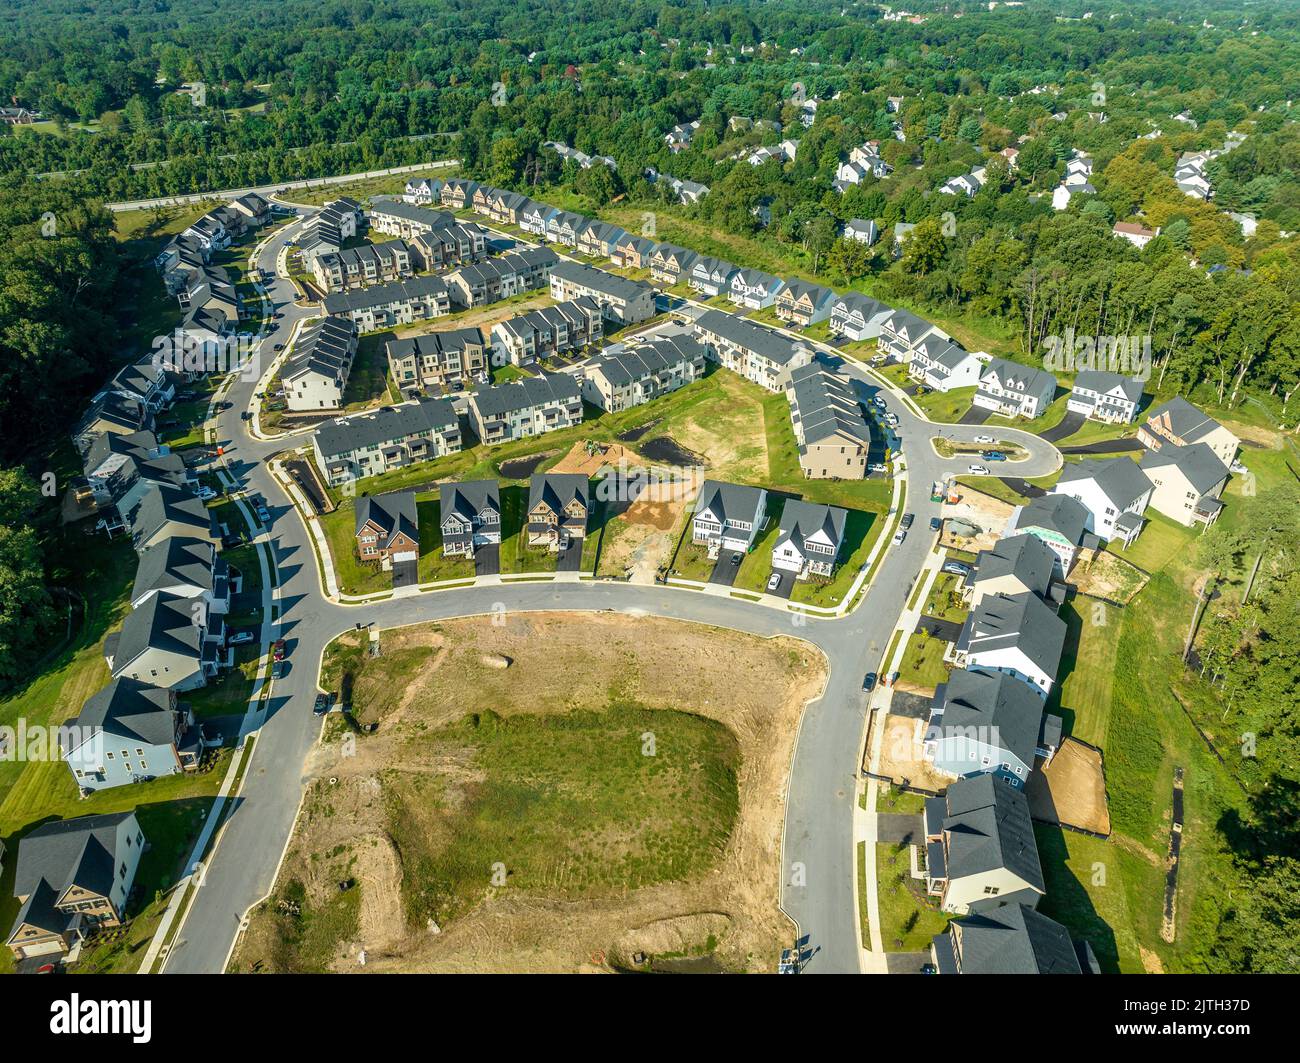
141, 98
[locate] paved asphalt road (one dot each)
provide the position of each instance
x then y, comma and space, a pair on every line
818, 855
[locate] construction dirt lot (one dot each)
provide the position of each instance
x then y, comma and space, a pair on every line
474, 797
987, 513
902, 752
1071, 790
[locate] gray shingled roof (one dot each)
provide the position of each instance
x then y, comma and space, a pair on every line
988, 828
129, 709
1120, 479
599, 280
468, 498
1024, 556
163, 622
1018, 377
745, 334
1014, 939
79, 851
557, 490
392, 512
800, 520
411, 289
1059, 513
346, 434
1022, 621
1101, 382
826, 404
163, 503
500, 399
622, 367
728, 501
179, 560
1185, 420
997, 705
1201, 466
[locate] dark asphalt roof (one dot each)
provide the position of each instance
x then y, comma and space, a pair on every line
1022, 621
179, 560
524, 394
1120, 479
556, 490
745, 334
655, 356
129, 709
988, 828
389, 423
1025, 556
391, 513
1059, 513
72, 851
1014, 939
1201, 466
1000, 707
410, 290
163, 622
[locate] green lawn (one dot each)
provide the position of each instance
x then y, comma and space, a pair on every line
909, 918
944, 601
923, 664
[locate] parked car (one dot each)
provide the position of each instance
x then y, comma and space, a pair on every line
869, 682
239, 638
985, 439
993, 455
774, 581
936, 523
957, 568
323, 704
232, 539
877, 467
277, 670
205, 493
977, 470
908, 519
277, 650
247, 415
736, 559
900, 535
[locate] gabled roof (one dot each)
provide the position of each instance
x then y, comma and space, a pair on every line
599, 280
1016, 621
727, 501
412, 289
388, 423
826, 405
500, 399
70, 852
798, 289
1185, 420
1201, 466
177, 561
745, 334
1119, 479
1066, 516
857, 303
999, 708
556, 490
131, 710
622, 367
988, 829
804, 520
468, 498
1017, 377
1104, 383
1014, 939
390, 513
1024, 556
162, 622
162, 504
326, 348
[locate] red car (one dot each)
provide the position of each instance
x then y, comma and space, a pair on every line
278, 650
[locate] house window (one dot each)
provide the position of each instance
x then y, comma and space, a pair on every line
992, 891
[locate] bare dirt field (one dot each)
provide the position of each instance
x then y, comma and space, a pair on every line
1101, 574
902, 755
389, 818
641, 539
987, 513
578, 460
1071, 790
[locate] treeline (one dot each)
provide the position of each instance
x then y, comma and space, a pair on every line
58, 342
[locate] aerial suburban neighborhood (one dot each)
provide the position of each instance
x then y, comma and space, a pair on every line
771, 488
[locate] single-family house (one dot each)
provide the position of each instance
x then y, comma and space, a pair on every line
1013, 939
809, 538
1186, 482
1058, 520
1182, 424
1103, 396
711, 276
1015, 564
470, 512
168, 641
1017, 634
164, 511
558, 505
858, 317
387, 527
1114, 491
1014, 390
943, 364
728, 517
980, 847
754, 289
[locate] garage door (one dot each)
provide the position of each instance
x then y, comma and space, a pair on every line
42, 948
406, 555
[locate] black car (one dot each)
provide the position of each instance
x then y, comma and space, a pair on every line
323, 704
907, 520
736, 559
936, 523
869, 682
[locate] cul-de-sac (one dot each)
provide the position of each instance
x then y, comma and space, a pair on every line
661, 487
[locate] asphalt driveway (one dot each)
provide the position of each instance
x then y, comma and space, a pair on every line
946, 630
898, 828
786, 587
975, 415
487, 559
570, 559
1067, 426
724, 572
1023, 487
405, 574
1106, 446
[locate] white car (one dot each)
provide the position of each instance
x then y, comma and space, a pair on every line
985, 439
239, 638
977, 470
900, 535
206, 494
774, 581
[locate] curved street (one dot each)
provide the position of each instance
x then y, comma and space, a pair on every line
819, 864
